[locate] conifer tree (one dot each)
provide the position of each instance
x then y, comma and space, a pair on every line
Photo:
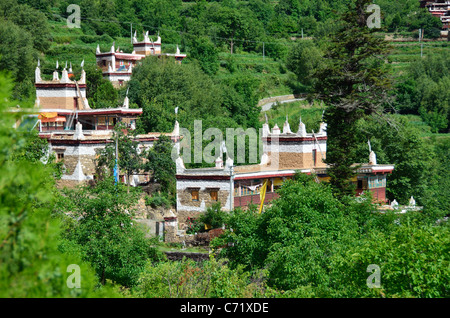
353, 83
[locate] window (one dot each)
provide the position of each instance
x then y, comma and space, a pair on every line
194, 195
214, 195
314, 154
59, 156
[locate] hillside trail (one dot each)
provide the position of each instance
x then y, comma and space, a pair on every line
267, 103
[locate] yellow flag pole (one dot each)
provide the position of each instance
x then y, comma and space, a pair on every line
262, 194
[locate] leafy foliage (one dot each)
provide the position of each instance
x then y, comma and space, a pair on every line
129, 156
397, 142
313, 245
304, 60
213, 216
31, 264
158, 200
424, 90
99, 91
105, 231
354, 82
204, 50
412, 257
160, 164
185, 279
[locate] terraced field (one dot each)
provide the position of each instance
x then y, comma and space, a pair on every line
73, 45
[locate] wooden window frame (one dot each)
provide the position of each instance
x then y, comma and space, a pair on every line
195, 195
59, 156
214, 195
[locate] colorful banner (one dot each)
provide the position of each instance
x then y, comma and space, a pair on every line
262, 194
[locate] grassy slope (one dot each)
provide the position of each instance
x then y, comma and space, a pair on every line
70, 45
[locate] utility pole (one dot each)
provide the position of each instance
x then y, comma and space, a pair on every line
231, 188
421, 43
131, 33
116, 167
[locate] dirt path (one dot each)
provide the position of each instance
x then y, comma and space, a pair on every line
267, 103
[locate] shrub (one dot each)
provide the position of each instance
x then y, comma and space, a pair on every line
194, 226
214, 216
158, 200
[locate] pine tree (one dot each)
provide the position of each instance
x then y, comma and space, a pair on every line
354, 83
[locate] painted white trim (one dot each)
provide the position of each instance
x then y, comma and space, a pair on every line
59, 92
294, 147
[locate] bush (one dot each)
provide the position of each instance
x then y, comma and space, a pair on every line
214, 216
90, 38
194, 226
158, 200
186, 279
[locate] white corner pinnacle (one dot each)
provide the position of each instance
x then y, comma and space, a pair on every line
37, 74
78, 135
301, 129
286, 127
275, 130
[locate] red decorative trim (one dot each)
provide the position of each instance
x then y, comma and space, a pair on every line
201, 177
76, 142
58, 85
130, 111
264, 176
90, 141
146, 44
147, 139
294, 139
129, 56
382, 171
123, 56
117, 73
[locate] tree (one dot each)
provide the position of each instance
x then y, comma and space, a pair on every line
129, 156
16, 56
36, 150
186, 279
399, 143
353, 83
159, 85
297, 237
31, 263
424, 91
104, 230
206, 53
161, 165
100, 92
313, 245
413, 258
30, 20
305, 59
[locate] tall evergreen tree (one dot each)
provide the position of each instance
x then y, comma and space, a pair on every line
353, 83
